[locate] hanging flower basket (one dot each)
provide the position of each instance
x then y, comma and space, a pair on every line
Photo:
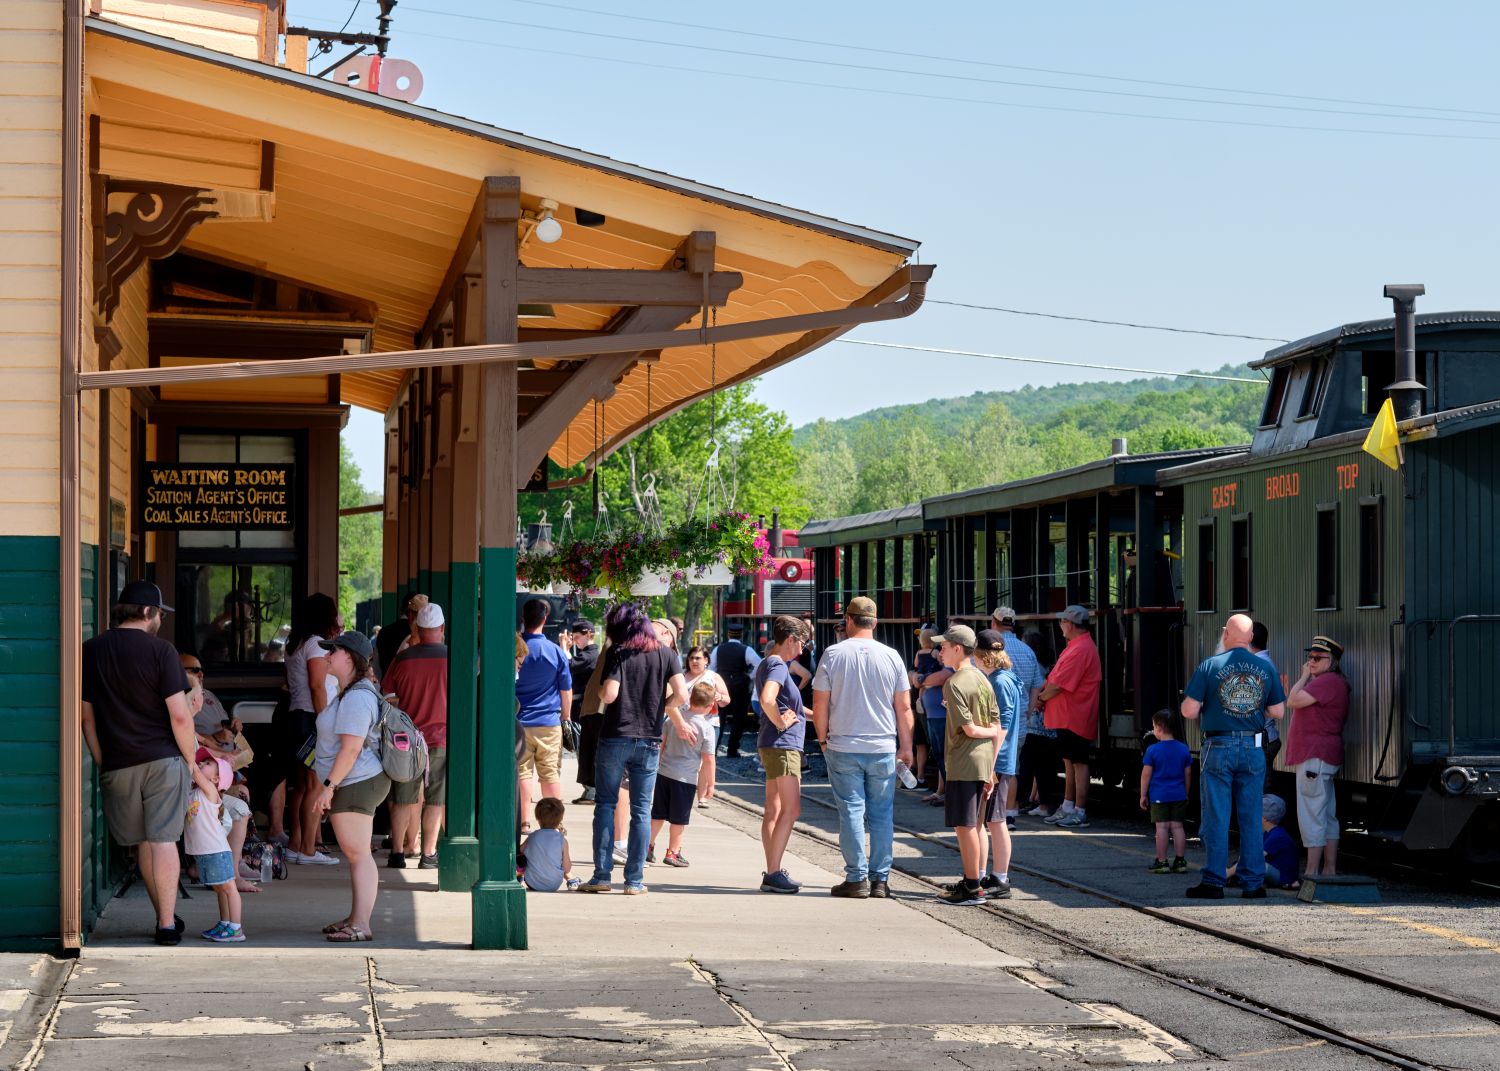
713, 576
641, 565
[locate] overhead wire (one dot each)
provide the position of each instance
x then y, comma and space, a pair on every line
947, 76
352, 12
991, 63
1045, 360
1110, 323
1200, 120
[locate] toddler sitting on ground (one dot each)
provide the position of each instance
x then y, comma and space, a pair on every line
548, 865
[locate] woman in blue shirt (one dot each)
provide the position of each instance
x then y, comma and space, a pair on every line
1010, 697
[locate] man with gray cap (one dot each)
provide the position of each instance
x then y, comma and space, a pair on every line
1071, 695
969, 750
139, 729
419, 677
862, 714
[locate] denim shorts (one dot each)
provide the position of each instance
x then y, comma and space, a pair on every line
216, 869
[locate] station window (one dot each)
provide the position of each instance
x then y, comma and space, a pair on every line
1208, 578
235, 587
1312, 392
1327, 562
1239, 553
1275, 396
1371, 556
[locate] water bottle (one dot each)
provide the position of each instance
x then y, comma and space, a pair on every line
265, 864
905, 776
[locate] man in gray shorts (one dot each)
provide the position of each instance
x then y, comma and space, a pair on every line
139, 730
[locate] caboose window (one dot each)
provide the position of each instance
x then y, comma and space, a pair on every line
1327, 579
1371, 558
1312, 391
1275, 396
1377, 371
1208, 577
1239, 551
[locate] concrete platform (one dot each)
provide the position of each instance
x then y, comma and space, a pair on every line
704, 972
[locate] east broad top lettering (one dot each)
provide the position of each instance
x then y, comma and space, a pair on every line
1224, 495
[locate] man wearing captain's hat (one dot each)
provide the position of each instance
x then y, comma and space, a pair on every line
1320, 704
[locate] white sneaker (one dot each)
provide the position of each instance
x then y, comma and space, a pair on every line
316, 859
1075, 820
1056, 816
621, 856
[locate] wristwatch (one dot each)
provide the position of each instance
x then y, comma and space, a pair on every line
327, 782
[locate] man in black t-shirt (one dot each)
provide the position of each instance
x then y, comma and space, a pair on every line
139, 730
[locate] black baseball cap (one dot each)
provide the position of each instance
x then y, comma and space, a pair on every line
582, 626
356, 642
142, 593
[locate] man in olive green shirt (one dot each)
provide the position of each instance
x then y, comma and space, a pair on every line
969, 757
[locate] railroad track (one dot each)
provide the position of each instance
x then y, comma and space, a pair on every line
1303, 1024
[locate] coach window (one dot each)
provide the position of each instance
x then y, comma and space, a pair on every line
234, 586
1208, 577
1327, 563
1371, 558
1239, 553
1275, 396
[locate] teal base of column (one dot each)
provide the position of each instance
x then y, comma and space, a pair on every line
387, 606
458, 864
424, 583
499, 915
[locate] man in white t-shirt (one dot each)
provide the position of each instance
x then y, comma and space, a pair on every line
862, 714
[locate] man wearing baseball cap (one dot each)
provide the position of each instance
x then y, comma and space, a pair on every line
139, 729
1316, 748
862, 714
419, 677
1071, 695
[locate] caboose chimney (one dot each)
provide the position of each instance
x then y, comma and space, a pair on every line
774, 536
1406, 393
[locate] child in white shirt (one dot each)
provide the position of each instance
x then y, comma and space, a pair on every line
204, 840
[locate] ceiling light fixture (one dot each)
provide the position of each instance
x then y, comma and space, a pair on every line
548, 230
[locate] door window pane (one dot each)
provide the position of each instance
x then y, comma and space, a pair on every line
234, 614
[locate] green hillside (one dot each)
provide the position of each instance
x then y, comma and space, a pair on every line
943, 415
893, 456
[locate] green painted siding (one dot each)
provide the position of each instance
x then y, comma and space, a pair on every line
28, 741
1453, 514
29, 795
1280, 494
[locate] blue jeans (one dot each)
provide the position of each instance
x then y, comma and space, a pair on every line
864, 786
1233, 773
617, 757
937, 729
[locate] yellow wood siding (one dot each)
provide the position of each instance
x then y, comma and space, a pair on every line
233, 26
30, 262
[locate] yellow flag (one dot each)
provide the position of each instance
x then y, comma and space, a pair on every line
1384, 441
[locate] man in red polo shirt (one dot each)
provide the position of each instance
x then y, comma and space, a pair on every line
419, 677
1071, 697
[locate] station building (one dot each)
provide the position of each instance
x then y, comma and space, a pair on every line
207, 256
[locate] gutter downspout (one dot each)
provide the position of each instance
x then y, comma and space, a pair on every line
915, 285
70, 582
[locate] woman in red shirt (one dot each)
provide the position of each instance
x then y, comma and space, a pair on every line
1316, 748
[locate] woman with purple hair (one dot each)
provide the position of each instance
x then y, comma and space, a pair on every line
639, 672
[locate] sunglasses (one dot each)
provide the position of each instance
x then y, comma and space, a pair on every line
193, 669
1317, 658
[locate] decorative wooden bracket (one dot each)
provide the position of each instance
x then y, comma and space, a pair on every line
152, 223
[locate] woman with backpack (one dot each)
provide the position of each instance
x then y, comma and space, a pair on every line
352, 781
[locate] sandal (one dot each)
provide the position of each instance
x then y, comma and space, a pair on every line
335, 927
349, 934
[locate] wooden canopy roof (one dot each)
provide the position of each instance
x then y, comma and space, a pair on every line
372, 197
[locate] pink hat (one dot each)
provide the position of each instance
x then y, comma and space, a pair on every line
226, 773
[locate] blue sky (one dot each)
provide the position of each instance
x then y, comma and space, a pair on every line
1239, 228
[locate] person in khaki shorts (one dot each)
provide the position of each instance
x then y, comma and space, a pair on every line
544, 697
783, 732
418, 676
139, 729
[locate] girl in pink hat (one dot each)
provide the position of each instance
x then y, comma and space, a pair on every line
204, 839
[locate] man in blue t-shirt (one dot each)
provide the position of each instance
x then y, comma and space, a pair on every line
544, 697
1232, 692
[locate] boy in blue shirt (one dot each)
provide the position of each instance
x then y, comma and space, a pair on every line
1166, 775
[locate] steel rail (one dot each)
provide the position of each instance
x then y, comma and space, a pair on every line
1287, 1018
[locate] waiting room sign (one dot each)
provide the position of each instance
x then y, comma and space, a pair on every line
198, 497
